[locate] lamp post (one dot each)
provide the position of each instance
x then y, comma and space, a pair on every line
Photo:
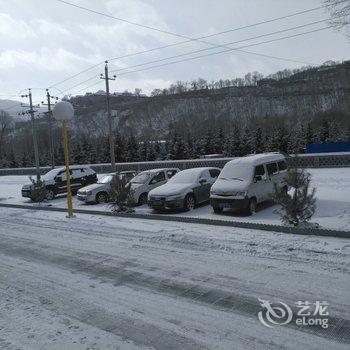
63, 112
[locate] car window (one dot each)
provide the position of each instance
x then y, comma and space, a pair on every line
171, 173
158, 178
76, 173
271, 168
260, 171
205, 175
282, 165
214, 173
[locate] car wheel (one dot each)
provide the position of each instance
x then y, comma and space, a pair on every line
252, 206
189, 203
102, 197
142, 199
217, 210
49, 194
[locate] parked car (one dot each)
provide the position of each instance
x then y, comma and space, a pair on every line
147, 180
185, 190
55, 181
100, 192
244, 182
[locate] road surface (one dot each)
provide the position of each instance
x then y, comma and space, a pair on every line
111, 283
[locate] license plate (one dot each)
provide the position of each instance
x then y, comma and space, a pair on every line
224, 205
25, 194
157, 202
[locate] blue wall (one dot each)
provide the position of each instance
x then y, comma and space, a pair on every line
328, 147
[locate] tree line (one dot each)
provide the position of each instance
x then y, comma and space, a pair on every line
278, 135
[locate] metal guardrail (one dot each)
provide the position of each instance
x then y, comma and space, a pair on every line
214, 222
319, 160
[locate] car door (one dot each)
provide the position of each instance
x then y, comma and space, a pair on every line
77, 178
272, 172
204, 184
261, 185
157, 180
61, 181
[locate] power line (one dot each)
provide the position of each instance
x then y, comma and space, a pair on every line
224, 51
178, 35
175, 34
75, 75
225, 45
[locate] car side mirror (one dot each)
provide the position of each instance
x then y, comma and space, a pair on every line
202, 181
257, 178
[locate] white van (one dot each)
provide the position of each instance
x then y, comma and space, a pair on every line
244, 182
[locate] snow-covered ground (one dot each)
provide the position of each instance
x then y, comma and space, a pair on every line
332, 191
97, 282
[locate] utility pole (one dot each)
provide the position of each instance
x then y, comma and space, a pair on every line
110, 127
35, 142
49, 114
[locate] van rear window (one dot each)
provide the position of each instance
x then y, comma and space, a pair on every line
282, 165
271, 168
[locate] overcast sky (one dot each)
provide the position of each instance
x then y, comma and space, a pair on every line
43, 41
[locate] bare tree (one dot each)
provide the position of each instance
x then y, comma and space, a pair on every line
5, 123
340, 14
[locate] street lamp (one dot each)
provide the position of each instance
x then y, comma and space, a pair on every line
63, 112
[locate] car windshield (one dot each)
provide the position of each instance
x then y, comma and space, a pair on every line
106, 179
141, 178
238, 172
51, 174
185, 176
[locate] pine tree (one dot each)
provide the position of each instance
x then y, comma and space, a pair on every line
131, 151
246, 144
258, 141
177, 150
309, 136
299, 206
158, 151
119, 147
106, 155
144, 151
60, 155
151, 153
209, 143
324, 132
24, 160
12, 160
189, 148
218, 142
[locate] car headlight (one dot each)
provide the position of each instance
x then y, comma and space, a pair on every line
174, 197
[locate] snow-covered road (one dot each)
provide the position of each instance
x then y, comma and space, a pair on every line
332, 192
112, 283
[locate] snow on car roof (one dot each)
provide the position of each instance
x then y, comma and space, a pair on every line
255, 159
198, 170
158, 169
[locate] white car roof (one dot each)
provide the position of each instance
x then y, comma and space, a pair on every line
256, 159
159, 169
198, 170
73, 167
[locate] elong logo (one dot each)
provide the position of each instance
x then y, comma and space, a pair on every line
279, 314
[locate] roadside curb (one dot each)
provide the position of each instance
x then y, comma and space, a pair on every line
214, 222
